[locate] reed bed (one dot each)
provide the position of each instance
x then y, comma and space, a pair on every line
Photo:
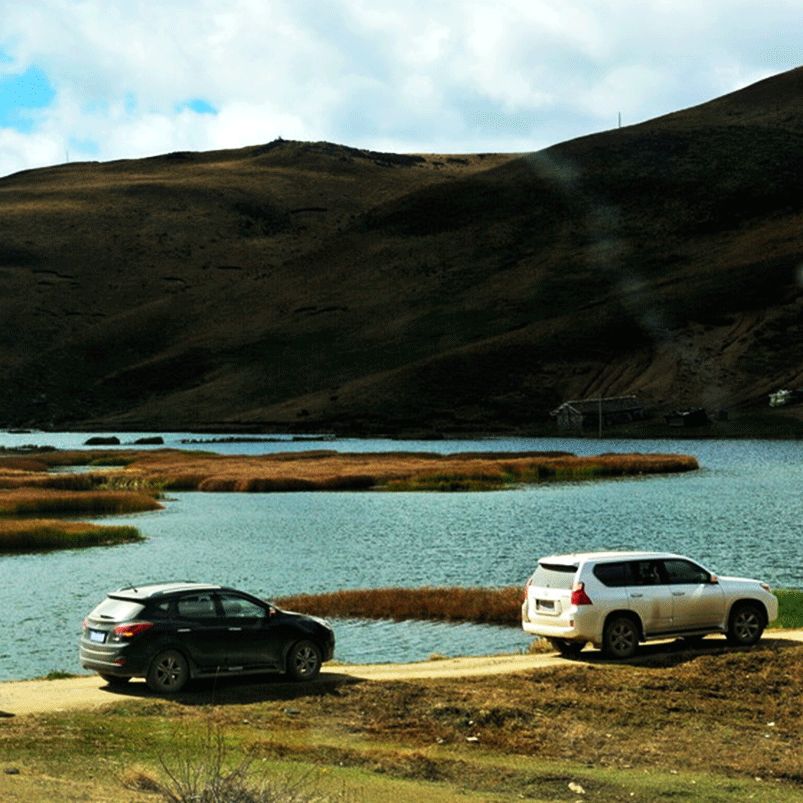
174, 470
62, 482
39, 535
482, 605
30, 501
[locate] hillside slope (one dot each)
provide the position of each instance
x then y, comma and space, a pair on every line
314, 286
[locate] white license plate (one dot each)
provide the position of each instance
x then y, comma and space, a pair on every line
97, 635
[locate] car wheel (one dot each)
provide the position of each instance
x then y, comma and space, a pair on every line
303, 661
168, 672
568, 649
620, 637
115, 680
746, 624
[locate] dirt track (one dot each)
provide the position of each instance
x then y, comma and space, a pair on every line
43, 696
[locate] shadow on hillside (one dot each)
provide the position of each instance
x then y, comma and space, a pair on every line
240, 690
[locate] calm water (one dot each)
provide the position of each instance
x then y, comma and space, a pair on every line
741, 514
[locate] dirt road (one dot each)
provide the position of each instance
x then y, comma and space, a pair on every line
18, 698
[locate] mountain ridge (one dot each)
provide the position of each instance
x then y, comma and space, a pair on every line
310, 285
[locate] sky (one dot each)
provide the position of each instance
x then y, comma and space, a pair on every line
109, 79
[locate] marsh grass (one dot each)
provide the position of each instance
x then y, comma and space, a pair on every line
456, 604
30, 502
63, 482
39, 535
482, 605
325, 470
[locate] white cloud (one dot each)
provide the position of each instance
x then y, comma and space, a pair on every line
424, 75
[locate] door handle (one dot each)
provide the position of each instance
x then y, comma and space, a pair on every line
637, 595
183, 630
678, 593
235, 629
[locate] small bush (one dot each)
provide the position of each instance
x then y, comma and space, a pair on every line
207, 770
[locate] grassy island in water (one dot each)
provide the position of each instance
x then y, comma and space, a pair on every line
129, 481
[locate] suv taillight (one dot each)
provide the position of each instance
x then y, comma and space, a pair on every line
579, 596
131, 629
526, 586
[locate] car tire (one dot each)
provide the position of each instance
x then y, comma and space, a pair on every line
115, 680
168, 672
746, 624
568, 649
303, 661
621, 637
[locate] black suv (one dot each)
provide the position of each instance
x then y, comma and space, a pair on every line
171, 632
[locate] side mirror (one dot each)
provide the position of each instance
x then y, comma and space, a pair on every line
714, 580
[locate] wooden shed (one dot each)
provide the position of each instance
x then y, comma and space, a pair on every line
578, 414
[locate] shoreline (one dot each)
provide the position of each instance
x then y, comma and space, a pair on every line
40, 695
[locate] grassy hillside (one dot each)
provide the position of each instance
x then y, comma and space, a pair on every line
314, 286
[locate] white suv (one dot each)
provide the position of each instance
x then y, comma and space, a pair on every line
616, 599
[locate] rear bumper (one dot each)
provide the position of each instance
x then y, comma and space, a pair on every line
573, 624
553, 631
110, 661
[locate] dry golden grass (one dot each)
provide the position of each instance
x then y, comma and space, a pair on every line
35, 535
330, 471
29, 501
484, 605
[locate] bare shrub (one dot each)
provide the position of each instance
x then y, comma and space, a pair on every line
205, 769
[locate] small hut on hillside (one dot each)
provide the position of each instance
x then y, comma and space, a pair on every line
693, 417
578, 414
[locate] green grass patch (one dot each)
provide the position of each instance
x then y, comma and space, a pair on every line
39, 535
790, 607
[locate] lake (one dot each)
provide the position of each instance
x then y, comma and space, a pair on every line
741, 514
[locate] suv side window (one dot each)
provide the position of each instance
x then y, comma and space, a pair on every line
196, 606
645, 573
241, 608
684, 571
613, 575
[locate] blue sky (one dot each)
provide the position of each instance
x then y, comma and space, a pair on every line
101, 79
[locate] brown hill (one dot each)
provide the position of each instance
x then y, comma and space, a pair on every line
313, 286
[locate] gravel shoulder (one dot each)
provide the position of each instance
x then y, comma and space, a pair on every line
19, 698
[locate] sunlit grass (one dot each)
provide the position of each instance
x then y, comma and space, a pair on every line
38, 535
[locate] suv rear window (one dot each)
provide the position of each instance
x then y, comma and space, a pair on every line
554, 575
117, 610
